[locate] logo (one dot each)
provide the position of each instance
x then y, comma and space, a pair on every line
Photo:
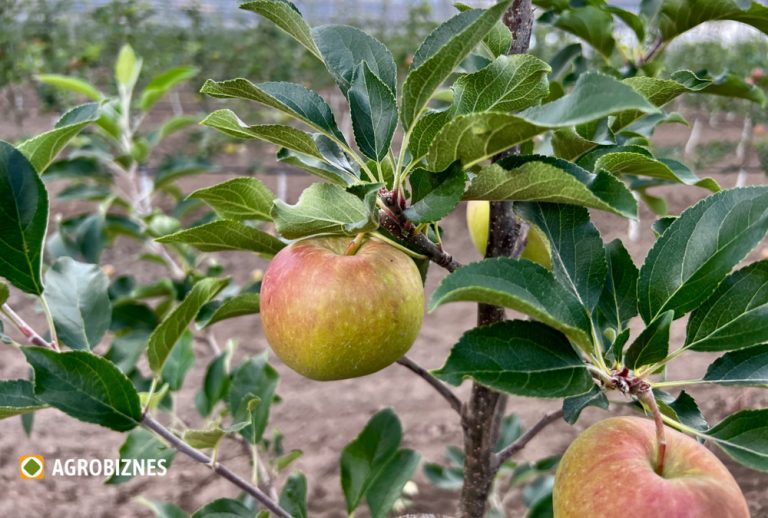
32, 467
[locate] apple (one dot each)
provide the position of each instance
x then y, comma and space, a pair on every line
478, 220
329, 315
609, 470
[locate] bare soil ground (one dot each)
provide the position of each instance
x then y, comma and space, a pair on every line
320, 418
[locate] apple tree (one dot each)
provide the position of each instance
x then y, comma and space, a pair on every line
478, 119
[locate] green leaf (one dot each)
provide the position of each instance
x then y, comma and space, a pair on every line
127, 348
224, 508
286, 136
444, 477
345, 48
435, 195
365, 457
425, 130
42, 149
476, 137
288, 18
162, 509
441, 53
4, 293
84, 192
169, 127
518, 357
173, 168
726, 84
181, 359
678, 16
163, 83
226, 235
86, 387
73, 84
127, 68
167, 334
216, 384
593, 97
318, 167
510, 83
747, 367
578, 255
284, 461
17, 397
574, 405
388, 485
246, 303
653, 343
82, 237
254, 377
293, 497
548, 179
636, 164
632, 20
374, 113
239, 199
24, 213
659, 92
498, 40
618, 300
569, 145
289, 98
662, 224
520, 285
682, 409
592, 24
744, 436
323, 208
202, 439
142, 445
734, 317
77, 294
699, 249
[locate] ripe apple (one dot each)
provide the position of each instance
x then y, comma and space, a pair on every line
609, 470
330, 316
478, 220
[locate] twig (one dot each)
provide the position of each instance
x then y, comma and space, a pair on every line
438, 385
26, 329
149, 423
648, 56
393, 219
522, 441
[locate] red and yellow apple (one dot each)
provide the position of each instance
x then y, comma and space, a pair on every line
329, 315
478, 221
609, 470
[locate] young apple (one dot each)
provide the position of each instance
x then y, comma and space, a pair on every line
478, 221
609, 470
331, 311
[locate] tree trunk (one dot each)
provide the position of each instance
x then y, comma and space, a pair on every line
506, 237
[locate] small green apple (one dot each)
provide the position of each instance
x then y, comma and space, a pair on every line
478, 220
609, 470
330, 316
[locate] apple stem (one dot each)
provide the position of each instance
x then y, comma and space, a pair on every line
355, 245
646, 397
